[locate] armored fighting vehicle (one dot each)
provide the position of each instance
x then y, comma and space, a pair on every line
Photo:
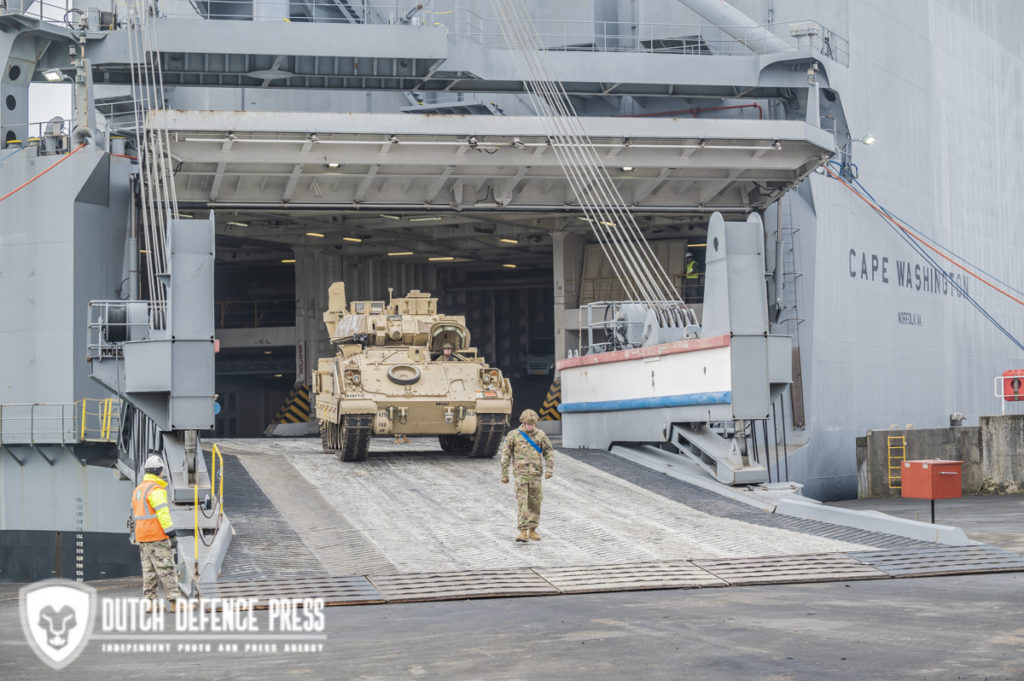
389, 377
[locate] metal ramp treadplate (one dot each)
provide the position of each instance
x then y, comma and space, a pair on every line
823, 567
354, 590
443, 586
942, 560
630, 577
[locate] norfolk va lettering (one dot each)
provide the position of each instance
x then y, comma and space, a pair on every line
903, 273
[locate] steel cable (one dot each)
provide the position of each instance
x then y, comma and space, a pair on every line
622, 242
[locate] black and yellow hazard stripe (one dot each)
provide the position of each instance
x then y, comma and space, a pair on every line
296, 406
549, 410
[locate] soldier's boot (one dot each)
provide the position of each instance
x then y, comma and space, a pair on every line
174, 606
523, 536
405, 440
533, 535
150, 604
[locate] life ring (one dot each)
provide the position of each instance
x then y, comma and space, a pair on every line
403, 374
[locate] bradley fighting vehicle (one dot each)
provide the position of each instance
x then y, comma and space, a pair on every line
388, 378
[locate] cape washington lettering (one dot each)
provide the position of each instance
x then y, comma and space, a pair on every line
872, 267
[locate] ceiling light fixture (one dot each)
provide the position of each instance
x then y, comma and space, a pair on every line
278, 375
239, 224
509, 265
401, 253
352, 239
267, 352
627, 169
506, 240
441, 258
316, 234
288, 260
391, 217
333, 165
432, 218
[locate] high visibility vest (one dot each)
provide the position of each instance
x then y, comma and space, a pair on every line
691, 269
147, 525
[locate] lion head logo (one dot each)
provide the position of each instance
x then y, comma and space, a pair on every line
57, 624
57, 617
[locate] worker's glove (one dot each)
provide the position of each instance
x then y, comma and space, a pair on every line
548, 474
504, 479
173, 536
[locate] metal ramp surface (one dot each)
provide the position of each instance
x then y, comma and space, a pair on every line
411, 524
695, 574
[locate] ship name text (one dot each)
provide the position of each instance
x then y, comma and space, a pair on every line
905, 274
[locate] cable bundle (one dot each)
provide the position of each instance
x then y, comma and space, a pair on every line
633, 261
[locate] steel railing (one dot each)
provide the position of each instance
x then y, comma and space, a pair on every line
111, 322
249, 314
573, 35
86, 420
46, 12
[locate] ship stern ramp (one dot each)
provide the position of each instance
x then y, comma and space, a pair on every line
413, 523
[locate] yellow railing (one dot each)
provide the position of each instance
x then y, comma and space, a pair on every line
216, 476
214, 468
97, 419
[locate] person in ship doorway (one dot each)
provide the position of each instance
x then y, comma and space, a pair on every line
529, 452
155, 534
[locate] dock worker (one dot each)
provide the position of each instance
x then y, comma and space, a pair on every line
692, 275
155, 535
529, 452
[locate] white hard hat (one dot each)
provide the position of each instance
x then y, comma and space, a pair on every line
154, 463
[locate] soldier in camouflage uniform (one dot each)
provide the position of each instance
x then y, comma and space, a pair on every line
524, 449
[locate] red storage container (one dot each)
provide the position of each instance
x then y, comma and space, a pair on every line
1013, 385
932, 479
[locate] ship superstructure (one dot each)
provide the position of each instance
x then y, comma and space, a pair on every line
385, 144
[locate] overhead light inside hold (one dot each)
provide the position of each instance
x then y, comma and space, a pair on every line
352, 239
278, 375
696, 245
627, 169
509, 265
288, 260
185, 215
316, 234
401, 253
584, 219
143, 251
443, 258
267, 352
506, 240
333, 165
53, 75
239, 224
607, 224
432, 218
391, 217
